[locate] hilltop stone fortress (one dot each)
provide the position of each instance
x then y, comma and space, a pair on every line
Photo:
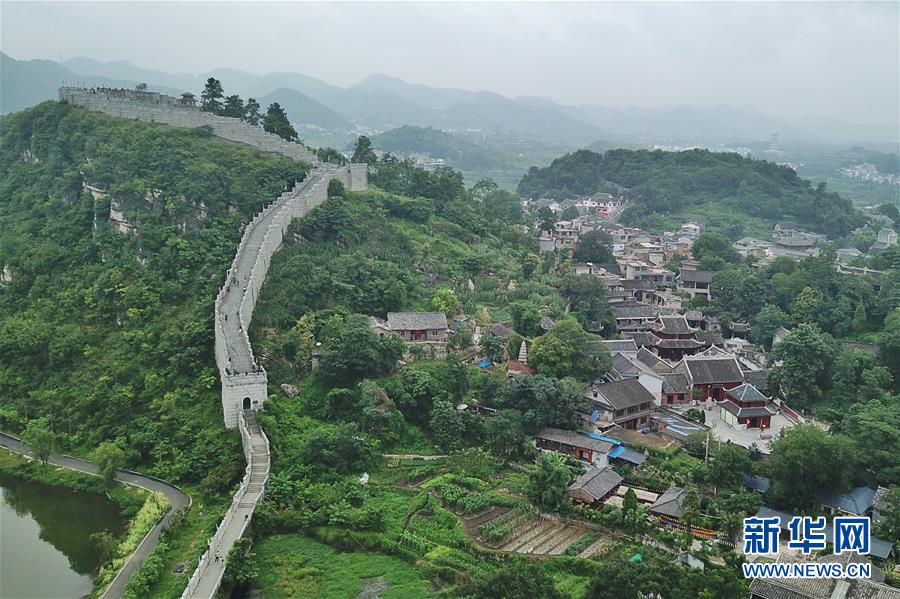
244, 380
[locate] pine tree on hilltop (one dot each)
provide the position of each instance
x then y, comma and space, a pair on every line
277, 122
211, 98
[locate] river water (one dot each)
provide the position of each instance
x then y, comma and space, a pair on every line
45, 550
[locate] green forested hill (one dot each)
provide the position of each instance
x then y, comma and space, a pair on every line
668, 185
437, 143
100, 344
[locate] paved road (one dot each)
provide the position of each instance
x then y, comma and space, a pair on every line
175, 496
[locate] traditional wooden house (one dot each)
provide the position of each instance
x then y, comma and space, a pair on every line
594, 486
418, 326
577, 445
676, 390
745, 407
712, 373
675, 337
670, 504
626, 403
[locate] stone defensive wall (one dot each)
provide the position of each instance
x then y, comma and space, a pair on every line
152, 107
244, 381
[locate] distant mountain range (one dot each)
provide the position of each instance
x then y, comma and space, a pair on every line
382, 102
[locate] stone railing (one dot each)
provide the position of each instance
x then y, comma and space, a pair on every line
231, 516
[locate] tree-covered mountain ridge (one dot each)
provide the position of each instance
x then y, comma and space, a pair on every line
667, 184
106, 331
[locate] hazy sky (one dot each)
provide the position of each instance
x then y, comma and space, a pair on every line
789, 59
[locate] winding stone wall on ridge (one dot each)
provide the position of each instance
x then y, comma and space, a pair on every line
159, 108
244, 382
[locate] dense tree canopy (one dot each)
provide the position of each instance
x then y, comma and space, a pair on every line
567, 350
108, 335
666, 182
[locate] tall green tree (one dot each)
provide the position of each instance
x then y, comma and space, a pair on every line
803, 362
805, 462
889, 343
358, 353
234, 107
765, 324
39, 439
363, 153
729, 464
547, 482
544, 401
211, 97
567, 350
108, 458
251, 112
874, 427
714, 251
277, 122
594, 246
587, 302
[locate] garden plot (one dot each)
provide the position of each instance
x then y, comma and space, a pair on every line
541, 537
598, 547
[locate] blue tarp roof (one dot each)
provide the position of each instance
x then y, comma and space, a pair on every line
616, 451
600, 437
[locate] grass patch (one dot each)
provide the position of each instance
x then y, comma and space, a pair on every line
183, 542
299, 567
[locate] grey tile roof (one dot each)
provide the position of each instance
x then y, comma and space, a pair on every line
706, 370
500, 330
632, 457
709, 337
757, 378
697, 276
679, 344
622, 394
625, 367
547, 323
597, 482
747, 392
796, 241
746, 412
821, 588
669, 503
621, 345
673, 325
414, 321
574, 439
642, 339
647, 357
675, 383
856, 501
783, 517
635, 311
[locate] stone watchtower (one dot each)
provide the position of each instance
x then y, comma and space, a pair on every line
242, 392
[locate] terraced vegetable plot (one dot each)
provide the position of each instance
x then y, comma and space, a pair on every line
525, 532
